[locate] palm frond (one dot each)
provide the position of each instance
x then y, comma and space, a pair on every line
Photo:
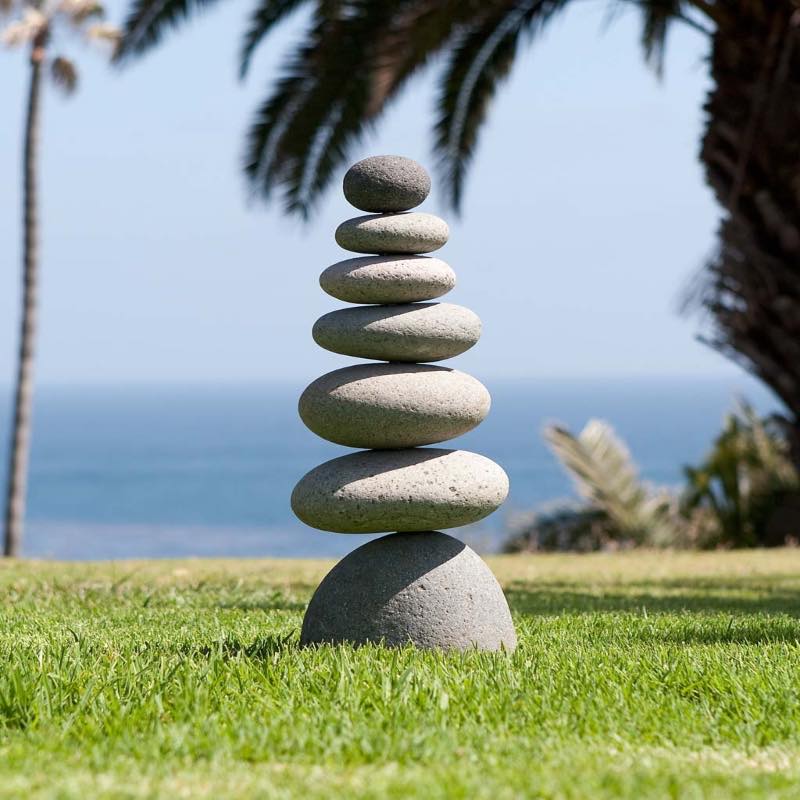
768, 450
601, 467
149, 20
80, 11
310, 171
319, 109
479, 62
417, 32
104, 32
606, 477
657, 15
298, 144
263, 20
354, 61
744, 479
24, 30
64, 74
269, 123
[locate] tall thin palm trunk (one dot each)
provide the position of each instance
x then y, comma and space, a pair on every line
23, 395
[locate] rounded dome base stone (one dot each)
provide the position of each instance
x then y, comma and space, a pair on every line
425, 589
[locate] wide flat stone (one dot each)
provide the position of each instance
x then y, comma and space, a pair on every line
411, 332
426, 589
388, 279
386, 183
420, 489
393, 405
412, 232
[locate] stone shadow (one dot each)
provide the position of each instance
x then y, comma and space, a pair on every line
769, 617
363, 464
358, 372
669, 597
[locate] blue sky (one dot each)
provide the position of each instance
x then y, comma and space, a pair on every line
586, 214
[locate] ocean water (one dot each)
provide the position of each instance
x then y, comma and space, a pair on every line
202, 471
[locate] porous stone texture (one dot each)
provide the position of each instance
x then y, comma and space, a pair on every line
411, 332
393, 405
419, 489
426, 589
418, 586
388, 279
412, 232
386, 183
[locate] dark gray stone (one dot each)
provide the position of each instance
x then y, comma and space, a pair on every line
426, 589
386, 183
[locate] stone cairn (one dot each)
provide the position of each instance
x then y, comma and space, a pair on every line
418, 585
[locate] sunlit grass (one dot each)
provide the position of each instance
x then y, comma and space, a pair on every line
637, 675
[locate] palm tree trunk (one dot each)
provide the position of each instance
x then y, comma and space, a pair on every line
23, 395
751, 152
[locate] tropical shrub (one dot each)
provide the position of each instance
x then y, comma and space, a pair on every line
565, 525
618, 509
745, 493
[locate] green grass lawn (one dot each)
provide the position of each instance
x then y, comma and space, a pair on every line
637, 675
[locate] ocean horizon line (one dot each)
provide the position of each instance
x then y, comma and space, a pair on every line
292, 382
179, 470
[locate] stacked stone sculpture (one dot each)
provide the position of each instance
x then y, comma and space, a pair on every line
417, 585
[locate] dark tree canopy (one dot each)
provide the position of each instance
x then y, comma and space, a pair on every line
355, 58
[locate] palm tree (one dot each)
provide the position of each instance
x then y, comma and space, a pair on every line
33, 28
357, 55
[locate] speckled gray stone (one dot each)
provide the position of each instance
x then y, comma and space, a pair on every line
419, 489
386, 183
388, 279
393, 405
426, 589
412, 232
412, 332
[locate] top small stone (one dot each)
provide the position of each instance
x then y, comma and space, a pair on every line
386, 184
